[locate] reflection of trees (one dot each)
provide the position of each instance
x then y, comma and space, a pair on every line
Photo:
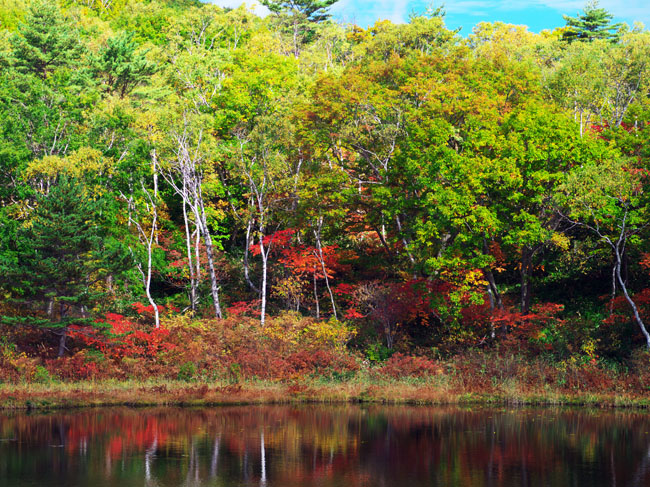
269, 446
149, 456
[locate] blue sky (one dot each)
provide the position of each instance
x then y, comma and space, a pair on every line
537, 14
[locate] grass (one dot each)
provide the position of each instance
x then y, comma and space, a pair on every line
435, 390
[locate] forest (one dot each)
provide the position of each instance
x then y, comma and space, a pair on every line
191, 193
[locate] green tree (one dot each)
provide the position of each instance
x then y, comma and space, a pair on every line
45, 41
592, 24
55, 260
121, 66
298, 18
313, 10
609, 198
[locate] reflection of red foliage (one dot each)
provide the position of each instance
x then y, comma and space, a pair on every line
133, 434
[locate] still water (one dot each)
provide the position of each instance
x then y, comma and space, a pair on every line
278, 446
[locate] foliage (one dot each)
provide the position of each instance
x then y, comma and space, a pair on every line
393, 192
399, 366
594, 23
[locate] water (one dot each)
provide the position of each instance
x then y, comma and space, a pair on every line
283, 446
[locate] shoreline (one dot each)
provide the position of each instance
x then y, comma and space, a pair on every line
89, 394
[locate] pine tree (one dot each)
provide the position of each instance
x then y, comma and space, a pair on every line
55, 257
313, 10
593, 24
121, 66
298, 17
45, 40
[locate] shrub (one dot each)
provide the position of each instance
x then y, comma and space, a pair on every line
321, 362
187, 372
41, 375
378, 352
79, 366
400, 365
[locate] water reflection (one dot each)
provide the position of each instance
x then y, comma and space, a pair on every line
325, 446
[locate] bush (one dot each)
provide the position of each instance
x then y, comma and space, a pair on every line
187, 372
79, 366
400, 365
378, 352
41, 375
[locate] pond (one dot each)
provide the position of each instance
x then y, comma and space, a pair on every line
325, 446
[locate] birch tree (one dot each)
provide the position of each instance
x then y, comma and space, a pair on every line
269, 176
186, 175
142, 204
608, 198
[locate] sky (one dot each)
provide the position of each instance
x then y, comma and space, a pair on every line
536, 14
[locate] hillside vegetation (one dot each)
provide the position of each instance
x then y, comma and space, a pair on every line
199, 194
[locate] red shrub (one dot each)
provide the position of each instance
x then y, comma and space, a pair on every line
124, 338
77, 367
400, 365
319, 361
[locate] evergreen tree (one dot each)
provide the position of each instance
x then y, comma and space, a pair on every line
594, 23
55, 258
313, 10
45, 40
298, 17
121, 66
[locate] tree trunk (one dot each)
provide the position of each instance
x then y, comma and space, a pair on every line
390, 340
316, 296
526, 272
62, 337
148, 277
64, 331
197, 256
246, 263
190, 265
628, 298
406, 245
493, 289
322, 263
495, 300
265, 257
207, 239
613, 294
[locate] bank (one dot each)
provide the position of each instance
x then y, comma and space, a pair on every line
433, 391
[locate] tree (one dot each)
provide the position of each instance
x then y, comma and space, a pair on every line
45, 40
189, 166
313, 10
600, 81
299, 17
55, 261
121, 66
141, 209
608, 198
270, 177
594, 23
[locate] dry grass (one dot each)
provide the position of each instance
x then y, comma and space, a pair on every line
433, 390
